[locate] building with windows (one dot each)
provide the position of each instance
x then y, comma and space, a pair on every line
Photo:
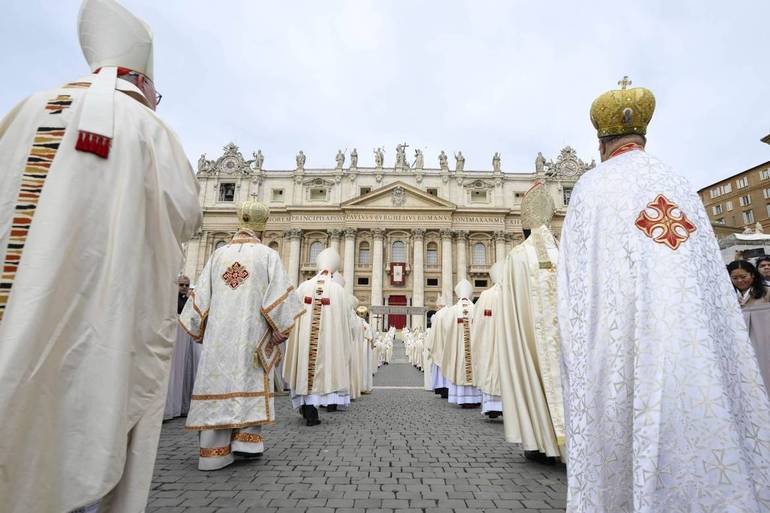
405, 233
740, 201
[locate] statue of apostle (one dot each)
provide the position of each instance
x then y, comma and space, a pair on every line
460, 162
457, 360
529, 336
486, 360
318, 350
354, 159
241, 309
96, 199
665, 402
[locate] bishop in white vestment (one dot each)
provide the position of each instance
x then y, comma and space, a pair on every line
530, 376
435, 345
457, 360
366, 351
96, 199
486, 360
319, 349
242, 308
666, 408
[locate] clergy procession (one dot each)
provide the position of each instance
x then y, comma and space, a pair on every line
615, 347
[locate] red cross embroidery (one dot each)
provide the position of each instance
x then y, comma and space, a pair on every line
235, 275
487, 313
665, 227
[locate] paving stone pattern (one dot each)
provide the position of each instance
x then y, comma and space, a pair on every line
394, 451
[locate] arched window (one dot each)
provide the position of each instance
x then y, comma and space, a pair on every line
398, 251
219, 244
274, 245
315, 248
479, 254
431, 254
363, 253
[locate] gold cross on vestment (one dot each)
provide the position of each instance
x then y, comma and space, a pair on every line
625, 82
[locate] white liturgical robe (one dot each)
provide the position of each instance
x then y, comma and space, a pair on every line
529, 356
486, 364
318, 351
666, 408
91, 249
241, 297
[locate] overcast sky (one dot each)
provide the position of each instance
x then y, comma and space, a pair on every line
516, 77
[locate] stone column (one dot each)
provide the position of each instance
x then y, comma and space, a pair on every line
508, 242
446, 266
377, 236
334, 239
348, 269
294, 235
418, 275
500, 252
462, 245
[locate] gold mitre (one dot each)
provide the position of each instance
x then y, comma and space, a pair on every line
253, 215
623, 111
537, 207
362, 311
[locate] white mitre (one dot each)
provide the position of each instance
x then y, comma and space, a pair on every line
496, 272
111, 36
464, 289
328, 260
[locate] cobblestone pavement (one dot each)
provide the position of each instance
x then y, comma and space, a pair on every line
396, 450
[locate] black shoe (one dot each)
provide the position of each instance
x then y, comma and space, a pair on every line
331, 407
493, 414
312, 422
437, 391
247, 455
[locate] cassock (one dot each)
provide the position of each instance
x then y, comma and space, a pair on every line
486, 361
91, 247
666, 409
184, 366
319, 348
528, 331
457, 360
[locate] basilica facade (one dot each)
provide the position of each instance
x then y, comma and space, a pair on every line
406, 234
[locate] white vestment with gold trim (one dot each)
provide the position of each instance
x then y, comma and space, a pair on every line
666, 408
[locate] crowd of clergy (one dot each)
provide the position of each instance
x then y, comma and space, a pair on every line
621, 350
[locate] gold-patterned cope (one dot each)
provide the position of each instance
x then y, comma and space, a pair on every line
623, 111
467, 346
315, 331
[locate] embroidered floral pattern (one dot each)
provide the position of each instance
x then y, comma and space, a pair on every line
235, 275
665, 226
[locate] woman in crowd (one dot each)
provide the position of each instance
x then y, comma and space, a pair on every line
763, 266
749, 284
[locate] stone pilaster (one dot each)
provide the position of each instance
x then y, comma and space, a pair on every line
295, 236
348, 269
446, 266
334, 239
462, 251
500, 253
418, 275
377, 263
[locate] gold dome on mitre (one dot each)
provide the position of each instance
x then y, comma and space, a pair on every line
623, 111
362, 311
253, 215
537, 207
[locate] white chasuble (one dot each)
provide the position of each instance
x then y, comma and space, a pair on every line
241, 297
319, 349
428, 359
666, 409
486, 362
529, 351
356, 349
366, 359
438, 338
457, 361
91, 248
